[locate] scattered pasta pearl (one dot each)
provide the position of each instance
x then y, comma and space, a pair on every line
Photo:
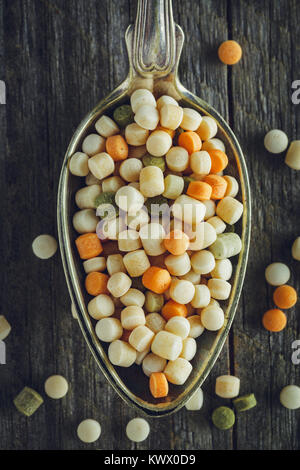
5, 328
230, 52
292, 158
56, 387
78, 165
196, 401
290, 397
276, 141
137, 430
296, 249
89, 430
227, 386
141, 97
93, 144
44, 246
277, 274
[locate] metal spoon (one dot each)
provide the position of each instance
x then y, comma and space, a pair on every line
154, 46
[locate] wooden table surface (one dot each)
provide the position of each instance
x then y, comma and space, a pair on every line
58, 59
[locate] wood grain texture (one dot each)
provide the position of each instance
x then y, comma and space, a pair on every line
58, 59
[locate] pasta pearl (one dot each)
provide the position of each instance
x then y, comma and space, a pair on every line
130, 169
101, 306
147, 117
277, 274
121, 354
135, 135
44, 246
196, 326
129, 240
222, 269
78, 164
136, 263
212, 318
165, 99
189, 347
152, 236
292, 158
201, 298
230, 210
232, 186
217, 224
290, 397
196, 401
133, 297
85, 221
93, 144
137, 430
112, 184
200, 162
191, 119
227, 386
203, 262
89, 431
153, 363
167, 345
151, 181
219, 289
214, 143
296, 249
188, 209
178, 265
85, 197
106, 127
155, 322
208, 128
132, 316
109, 329
129, 199
159, 143
97, 264
276, 141
56, 387
178, 371
115, 264
118, 284
179, 326
182, 291
141, 338
5, 328
177, 159
141, 97
101, 165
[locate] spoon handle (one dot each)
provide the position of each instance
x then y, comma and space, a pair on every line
154, 43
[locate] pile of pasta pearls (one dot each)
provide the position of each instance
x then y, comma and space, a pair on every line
155, 233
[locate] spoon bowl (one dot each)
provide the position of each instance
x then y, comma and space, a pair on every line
154, 46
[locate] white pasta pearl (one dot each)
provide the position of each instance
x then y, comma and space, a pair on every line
208, 128
276, 141
174, 186
212, 318
129, 240
44, 246
232, 186
159, 143
136, 221
153, 363
101, 306
152, 236
109, 329
5, 328
89, 431
217, 224
141, 337
200, 162
230, 210
192, 276
214, 143
165, 99
296, 249
210, 207
101, 165
111, 228
118, 284
277, 274
141, 97
178, 371
137, 430
132, 316
147, 117
196, 326
201, 298
115, 264
178, 326
130, 169
112, 184
121, 354
137, 152
78, 164
189, 347
177, 159
136, 263
155, 322
171, 116
136, 135
140, 356
209, 235
219, 289
196, 401
56, 387
182, 291
85, 197
188, 209
106, 127
94, 264
203, 262
167, 345
178, 265
151, 181
93, 144
227, 386
129, 199
290, 397
222, 269
292, 158
133, 297
91, 179
191, 119
85, 221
